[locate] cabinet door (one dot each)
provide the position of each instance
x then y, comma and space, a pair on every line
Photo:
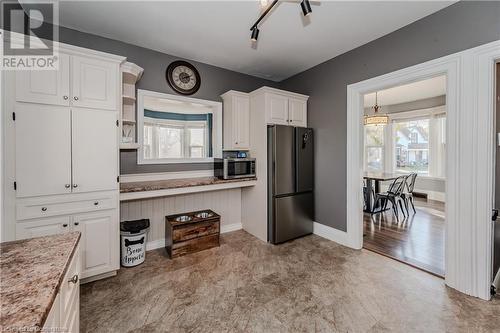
297, 112
95, 150
95, 83
276, 109
42, 227
45, 87
43, 150
99, 243
241, 122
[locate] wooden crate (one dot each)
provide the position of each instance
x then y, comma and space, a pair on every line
197, 234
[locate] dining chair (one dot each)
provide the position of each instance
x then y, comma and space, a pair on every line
393, 195
408, 191
367, 192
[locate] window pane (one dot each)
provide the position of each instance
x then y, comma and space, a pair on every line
148, 142
170, 142
374, 148
197, 142
196, 152
412, 146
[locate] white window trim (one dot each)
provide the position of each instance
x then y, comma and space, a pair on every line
216, 128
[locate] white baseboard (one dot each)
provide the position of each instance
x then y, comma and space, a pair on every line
230, 227
335, 235
159, 243
156, 244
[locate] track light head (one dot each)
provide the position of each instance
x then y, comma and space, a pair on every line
306, 7
255, 34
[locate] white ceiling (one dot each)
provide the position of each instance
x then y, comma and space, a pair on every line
217, 32
409, 92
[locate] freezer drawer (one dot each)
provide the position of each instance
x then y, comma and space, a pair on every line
292, 217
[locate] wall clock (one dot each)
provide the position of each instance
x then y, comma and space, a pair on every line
183, 77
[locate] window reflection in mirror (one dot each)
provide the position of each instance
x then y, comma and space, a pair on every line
177, 130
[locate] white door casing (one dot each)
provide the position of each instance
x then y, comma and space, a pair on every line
94, 83
94, 144
470, 166
43, 149
45, 86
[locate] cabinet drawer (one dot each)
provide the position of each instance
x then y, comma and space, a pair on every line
70, 287
187, 232
30, 209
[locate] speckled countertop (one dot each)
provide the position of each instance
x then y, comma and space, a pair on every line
31, 272
176, 183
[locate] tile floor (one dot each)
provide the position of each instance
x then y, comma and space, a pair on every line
307, 285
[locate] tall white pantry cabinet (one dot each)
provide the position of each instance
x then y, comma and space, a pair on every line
62, 154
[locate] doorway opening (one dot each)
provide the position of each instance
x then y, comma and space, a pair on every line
404, 173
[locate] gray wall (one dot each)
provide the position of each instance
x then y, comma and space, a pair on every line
455, 28
214, 82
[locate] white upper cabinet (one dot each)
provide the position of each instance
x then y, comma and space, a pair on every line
43, 149
283, 107
297, 112
45, 86
236, 120
276, 109
94, 150
94, 83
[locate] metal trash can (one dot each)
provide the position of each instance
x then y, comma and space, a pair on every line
133, 242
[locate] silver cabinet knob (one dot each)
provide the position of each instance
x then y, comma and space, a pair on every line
75, 98
75, 185
44, 209
67, 185
65, 97
74, 279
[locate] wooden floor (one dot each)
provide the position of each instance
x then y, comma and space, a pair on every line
417, 240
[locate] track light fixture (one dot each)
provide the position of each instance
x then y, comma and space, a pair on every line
306, 7
306, 10
255, 34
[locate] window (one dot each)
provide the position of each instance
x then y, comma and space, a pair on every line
411, 140
374, 147
166, 138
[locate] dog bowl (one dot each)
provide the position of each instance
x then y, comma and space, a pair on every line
183, 218
204, 215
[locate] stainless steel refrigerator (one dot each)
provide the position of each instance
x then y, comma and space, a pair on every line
290, 152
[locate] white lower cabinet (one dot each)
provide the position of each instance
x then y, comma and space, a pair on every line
64, 316
99, 242
43, 227
95, 216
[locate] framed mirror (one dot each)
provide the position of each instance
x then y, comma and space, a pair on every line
177, 129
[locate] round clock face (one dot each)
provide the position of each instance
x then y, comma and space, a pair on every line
183, 77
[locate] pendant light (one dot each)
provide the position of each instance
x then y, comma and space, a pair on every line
376, 118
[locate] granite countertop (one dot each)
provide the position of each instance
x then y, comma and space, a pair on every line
176, 183
31, 272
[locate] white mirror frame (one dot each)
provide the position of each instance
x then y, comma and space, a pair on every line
216, 130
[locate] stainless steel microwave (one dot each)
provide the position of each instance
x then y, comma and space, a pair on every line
233, 168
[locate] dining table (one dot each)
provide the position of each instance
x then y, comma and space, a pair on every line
371, 179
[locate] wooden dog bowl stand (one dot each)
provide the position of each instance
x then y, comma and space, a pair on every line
197, 234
